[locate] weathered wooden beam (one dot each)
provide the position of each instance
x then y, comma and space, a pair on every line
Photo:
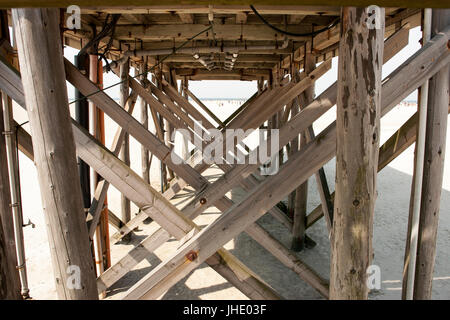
265, 196
124, 91
433, 169
358, 131
131, 125
103, 186
40, 57
155, 32
186, 17
145, 156
301, 193
241, 17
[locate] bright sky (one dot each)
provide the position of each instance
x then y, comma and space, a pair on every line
245, 89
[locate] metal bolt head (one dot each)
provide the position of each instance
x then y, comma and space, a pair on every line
202, 201
191, 255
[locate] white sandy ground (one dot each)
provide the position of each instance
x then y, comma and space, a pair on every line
390, 224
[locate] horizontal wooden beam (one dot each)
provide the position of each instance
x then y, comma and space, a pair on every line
222, 6
236, 32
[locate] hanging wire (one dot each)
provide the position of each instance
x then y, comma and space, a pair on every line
140, 74
331, 25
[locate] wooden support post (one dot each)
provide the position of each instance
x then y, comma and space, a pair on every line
82, 116
9, 277
301, 193
41, 62
435, 139
358, 125
125, 151
145, 155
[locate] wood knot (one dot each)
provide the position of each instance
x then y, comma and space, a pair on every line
202, 201
191, 255
356, 202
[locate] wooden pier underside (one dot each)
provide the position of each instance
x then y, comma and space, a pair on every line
192, 43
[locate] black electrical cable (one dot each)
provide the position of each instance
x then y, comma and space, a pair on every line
309, 34
140, 74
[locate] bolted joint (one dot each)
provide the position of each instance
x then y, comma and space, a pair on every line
191, 255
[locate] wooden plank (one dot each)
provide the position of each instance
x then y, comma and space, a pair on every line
358, 131
265, 196
40, 57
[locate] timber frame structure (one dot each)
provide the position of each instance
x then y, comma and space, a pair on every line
168, 43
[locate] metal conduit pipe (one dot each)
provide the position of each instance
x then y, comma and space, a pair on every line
16, 204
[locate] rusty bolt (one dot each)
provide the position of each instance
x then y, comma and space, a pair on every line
202, 201
191, 255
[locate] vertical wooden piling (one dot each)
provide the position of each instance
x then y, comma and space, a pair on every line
145, 158
43, 78
125, 151
82, 116
435, 139
301, 193
358, 119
